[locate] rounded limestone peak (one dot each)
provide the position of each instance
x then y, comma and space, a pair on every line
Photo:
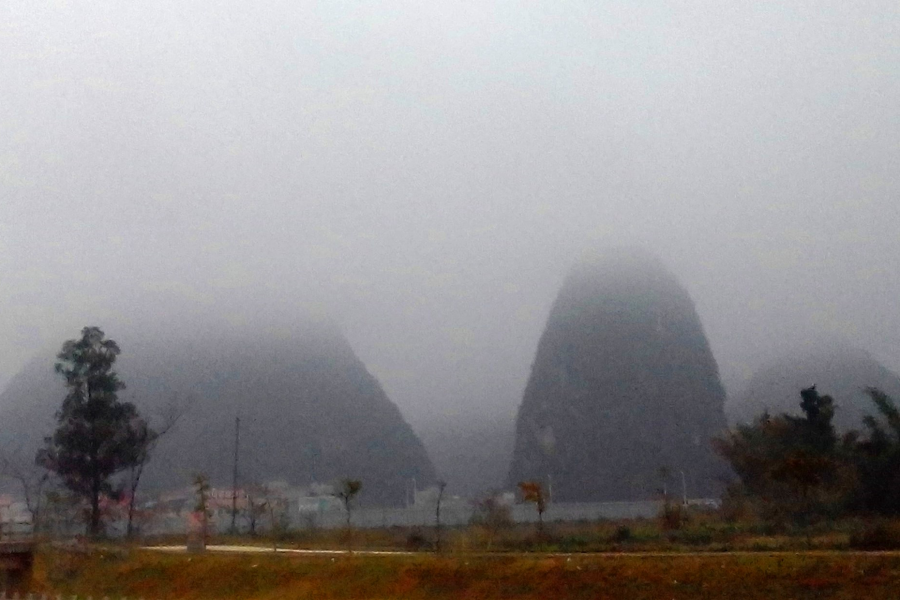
835, 367
309, 410
624, 393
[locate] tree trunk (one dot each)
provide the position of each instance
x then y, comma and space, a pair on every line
95, 514
349, 528
135, 481
437, 526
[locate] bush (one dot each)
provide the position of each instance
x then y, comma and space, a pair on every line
622, 534
882, 535
737, 505
692, 537
492, 514
416, 541
671, 517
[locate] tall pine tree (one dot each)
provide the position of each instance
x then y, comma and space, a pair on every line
97, 436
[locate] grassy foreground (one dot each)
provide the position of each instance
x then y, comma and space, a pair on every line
156, 576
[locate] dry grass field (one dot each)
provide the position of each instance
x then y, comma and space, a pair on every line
705, 557
116, 572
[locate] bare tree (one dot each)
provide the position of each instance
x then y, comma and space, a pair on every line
277, 507
62, 511
145, 442
257, 498
201, 509
346, 491
492, 514
441, 484
33, 479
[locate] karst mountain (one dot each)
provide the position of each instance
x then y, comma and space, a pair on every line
624, 393
309, 410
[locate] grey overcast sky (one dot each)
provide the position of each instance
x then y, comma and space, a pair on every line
426, 172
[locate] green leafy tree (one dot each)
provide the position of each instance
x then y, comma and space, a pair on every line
97, 436
877, 458
794, 467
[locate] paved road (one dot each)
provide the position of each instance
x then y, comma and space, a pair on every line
322, 552
269, 550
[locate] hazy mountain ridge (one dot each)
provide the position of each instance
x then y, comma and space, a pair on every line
472, 453
623, 383
309, 411
837, 369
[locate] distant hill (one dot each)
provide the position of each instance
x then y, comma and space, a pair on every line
309, 410
836, 369
471, 453
623, 383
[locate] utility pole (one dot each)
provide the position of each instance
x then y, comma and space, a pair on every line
234, 474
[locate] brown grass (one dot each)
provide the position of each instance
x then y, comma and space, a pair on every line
699, 532
704, 557
135, 573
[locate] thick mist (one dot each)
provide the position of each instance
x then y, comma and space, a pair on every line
425, 176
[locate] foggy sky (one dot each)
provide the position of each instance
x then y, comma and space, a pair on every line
426, 173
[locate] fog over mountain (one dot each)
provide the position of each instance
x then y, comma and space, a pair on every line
309, 412
834, 367
623, 386
426, 174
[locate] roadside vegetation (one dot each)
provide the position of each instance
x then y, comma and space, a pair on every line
698, 531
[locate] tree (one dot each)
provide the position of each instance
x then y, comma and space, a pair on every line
97, 436
144, 439
346, 492
33, 480
263, 501
793, 466
877, 458
799, 467
533, 491
142, 446
201, 509
664, 473
493, 515
277, 507
441, 485
257, 501
670, 515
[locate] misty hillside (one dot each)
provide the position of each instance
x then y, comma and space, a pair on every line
623, 384
309, 411
471, 453
838, 370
